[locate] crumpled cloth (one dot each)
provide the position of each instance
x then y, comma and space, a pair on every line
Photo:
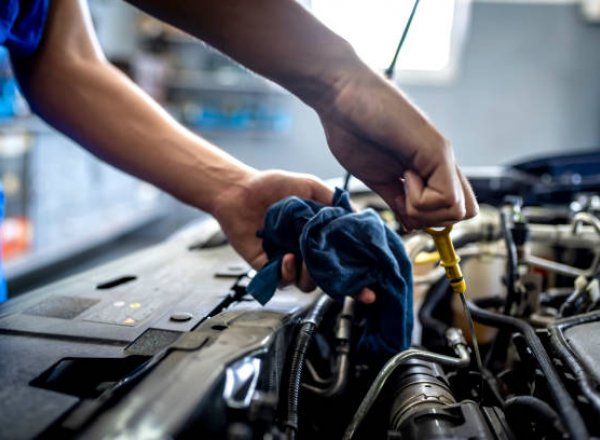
344, 252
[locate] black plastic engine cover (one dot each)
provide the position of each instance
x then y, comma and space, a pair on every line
167, 312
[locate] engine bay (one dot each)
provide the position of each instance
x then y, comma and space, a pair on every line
166, 343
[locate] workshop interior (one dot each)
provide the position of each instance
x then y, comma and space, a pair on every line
126, 314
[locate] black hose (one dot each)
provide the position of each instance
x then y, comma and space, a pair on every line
307, 329
567, 410
554, 301
490, 302
497, 354
433, 335
522, 410
576, 303
557, 339
511, 263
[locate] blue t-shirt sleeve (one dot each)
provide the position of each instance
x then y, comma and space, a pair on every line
22, 25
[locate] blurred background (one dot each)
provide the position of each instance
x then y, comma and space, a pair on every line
503, 80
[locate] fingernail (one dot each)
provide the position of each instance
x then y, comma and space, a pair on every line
372, 298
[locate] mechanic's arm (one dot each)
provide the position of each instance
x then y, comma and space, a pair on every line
373, 130
70, 84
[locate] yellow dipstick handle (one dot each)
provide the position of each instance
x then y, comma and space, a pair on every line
448, 258
450, 262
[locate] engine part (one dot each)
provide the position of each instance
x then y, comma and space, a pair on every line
553, 266
450, 262
461, 421
590, 219
305, 334
571, 339
342, 348
525, 411
223, 368
424, 406
581, 298
456, 341
512, 264
434, 329
585, 218
563, 402
420, 385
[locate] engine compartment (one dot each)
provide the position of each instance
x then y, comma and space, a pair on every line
168, 344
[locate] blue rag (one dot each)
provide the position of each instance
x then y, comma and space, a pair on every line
344, 252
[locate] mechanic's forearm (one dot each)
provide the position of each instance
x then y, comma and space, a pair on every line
71, 85
278, 39
282, 41
106, 113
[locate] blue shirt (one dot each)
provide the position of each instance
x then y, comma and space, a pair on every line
22, 24
21, 28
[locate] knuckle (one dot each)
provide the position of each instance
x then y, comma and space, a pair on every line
455, 200
473, 211
417, 205
457, 213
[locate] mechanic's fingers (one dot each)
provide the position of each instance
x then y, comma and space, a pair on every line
441, 191
425, 205
304, 281
288, 269
413, 219
320, 192
289, 274
366, 296
471, 205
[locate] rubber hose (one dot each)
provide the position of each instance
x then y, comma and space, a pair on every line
528, 408
511, 263
567, 410
305, 334
436, 294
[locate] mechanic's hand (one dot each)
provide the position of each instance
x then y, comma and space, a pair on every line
383, 140
241, 211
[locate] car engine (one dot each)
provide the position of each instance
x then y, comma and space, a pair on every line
167, 344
